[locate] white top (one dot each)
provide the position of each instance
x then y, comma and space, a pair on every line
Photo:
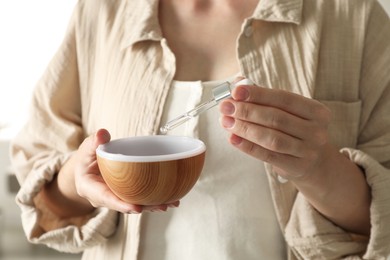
229, 213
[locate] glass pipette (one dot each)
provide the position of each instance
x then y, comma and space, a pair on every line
219, 92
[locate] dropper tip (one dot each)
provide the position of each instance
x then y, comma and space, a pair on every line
163, 130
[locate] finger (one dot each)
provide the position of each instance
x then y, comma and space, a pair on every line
174, 204
274, 118
265, 137
157, 208
102, 136
266, 116
99, 195
293, 103
297, 167
89, 145
163, 207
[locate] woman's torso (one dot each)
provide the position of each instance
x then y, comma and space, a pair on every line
229, 213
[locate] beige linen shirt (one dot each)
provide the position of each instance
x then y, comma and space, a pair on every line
114, 70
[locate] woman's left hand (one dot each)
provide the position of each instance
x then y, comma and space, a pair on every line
284, 129
290, 132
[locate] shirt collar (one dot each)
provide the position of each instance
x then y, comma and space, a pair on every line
143, 24
289, 11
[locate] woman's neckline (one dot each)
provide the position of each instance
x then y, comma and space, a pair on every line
207, 82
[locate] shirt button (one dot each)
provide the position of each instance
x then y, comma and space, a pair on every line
248, 31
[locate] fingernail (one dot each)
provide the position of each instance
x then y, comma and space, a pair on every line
227, 108
235, 140
241, 94
227, 122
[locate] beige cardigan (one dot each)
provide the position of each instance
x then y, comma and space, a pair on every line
114, 70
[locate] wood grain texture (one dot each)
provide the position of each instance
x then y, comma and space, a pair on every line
151, 183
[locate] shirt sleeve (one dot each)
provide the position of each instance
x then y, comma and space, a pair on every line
54, 130
309, 234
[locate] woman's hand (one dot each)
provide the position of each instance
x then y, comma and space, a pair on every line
79, 186
284, 129
90, 184
290, 132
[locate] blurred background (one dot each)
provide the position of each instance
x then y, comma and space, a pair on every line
31, 33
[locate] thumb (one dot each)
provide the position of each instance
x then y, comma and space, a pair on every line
102, 136
90, 144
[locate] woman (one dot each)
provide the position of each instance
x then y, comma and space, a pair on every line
305, 173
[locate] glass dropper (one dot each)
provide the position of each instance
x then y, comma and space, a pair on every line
219, 92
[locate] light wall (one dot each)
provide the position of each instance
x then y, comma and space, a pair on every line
31, 33
386, 5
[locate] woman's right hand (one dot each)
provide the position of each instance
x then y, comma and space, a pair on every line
79, 187
90, 184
